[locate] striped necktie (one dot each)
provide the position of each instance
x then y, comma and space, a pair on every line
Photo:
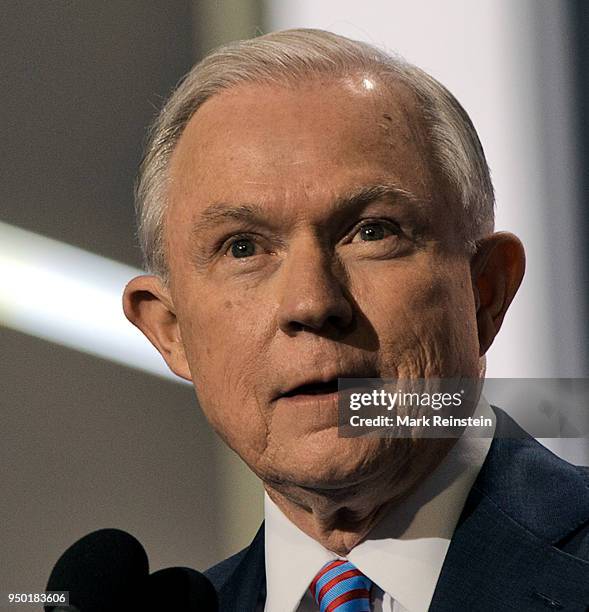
342, 587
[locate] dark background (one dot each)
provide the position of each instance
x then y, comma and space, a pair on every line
87, 443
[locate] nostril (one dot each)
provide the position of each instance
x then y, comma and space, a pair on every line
310, 307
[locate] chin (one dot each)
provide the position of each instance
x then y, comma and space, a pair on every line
329, 463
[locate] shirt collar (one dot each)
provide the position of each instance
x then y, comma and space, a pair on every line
405, 551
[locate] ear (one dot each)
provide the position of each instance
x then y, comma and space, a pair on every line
497, 269
147, 304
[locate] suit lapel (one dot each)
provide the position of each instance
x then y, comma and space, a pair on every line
247, 584
495, 564
504, 554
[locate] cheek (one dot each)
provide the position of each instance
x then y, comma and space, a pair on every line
425, 323
224, 344
219, 336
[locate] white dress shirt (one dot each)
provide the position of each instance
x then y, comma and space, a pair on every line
402, 555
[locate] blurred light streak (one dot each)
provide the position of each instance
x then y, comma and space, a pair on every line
66, 295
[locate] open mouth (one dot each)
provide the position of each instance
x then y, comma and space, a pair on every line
318, 388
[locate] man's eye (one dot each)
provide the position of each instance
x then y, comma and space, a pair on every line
374, 231
242, 247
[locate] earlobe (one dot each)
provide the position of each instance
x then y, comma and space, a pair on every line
147, 304
497, 269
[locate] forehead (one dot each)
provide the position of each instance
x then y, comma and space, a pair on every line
299, 145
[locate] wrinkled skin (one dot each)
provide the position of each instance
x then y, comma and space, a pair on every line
298, 292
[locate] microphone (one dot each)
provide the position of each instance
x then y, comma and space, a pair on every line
100, 571
108, 571
181, 589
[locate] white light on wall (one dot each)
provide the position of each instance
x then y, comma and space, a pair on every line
509, 63
71, 297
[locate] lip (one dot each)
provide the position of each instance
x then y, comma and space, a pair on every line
286, 394
309, 398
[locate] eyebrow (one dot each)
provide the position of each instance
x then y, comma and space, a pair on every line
365, 195
222, 211
254, 214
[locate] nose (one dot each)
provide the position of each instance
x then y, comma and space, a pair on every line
313, 293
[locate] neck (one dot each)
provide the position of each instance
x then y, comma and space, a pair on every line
339, 518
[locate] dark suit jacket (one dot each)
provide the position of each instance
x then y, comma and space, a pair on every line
521, 543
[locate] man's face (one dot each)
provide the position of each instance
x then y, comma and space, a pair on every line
309, 239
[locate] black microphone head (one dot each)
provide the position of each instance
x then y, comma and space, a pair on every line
102, 571
181, 589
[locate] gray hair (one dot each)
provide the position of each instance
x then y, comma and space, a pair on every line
288, 57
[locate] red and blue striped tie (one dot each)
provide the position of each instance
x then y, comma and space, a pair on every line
342, 587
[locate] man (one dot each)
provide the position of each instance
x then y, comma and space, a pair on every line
312, 209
